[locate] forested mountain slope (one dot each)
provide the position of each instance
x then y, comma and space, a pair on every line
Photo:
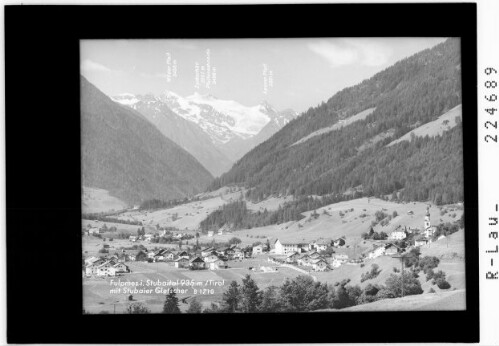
126, 155
412, 92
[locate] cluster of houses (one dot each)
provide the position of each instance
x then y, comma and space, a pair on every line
208, 258
95, 266
149, 236
286, 248
311, 259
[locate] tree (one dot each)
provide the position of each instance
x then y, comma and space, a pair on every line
342, 298
234, 241
303, 294
194, 307
411, 284
232, 297
171, 303
250, 295
137, 308
270, 300
141, 256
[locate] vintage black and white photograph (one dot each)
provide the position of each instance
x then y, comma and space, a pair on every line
272, 175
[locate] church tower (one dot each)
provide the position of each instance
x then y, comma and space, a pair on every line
428, 230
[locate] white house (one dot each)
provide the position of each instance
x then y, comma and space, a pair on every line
106, 269
148, 237
93, 230
238, 255
335, 263
285, 248
376, 252
257, 250
132, 238
397, 235
121, 268
214, 263
320, 245
210, 233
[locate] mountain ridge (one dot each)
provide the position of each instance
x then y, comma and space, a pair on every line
416, 89
126, 155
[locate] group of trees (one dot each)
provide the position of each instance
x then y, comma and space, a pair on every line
374, 235
107, 218
411, 93
303, 294
240, 217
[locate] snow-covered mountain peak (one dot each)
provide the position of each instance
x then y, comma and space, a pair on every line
222, 120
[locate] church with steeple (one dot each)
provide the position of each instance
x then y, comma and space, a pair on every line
429, 230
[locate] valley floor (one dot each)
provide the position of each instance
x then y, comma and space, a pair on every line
349, 219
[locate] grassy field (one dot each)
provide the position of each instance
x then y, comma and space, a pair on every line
434, 128
91, 245
99, 200
450, 300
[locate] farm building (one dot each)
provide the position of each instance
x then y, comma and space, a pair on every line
391, 250
181, 262
292, 257
319, 264
91, 260
210, 258
303, 260
313, 254
210, 233
106, 269
196, 263
183, 254
215, 263
132, 238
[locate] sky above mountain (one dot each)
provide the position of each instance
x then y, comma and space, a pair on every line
287, 73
